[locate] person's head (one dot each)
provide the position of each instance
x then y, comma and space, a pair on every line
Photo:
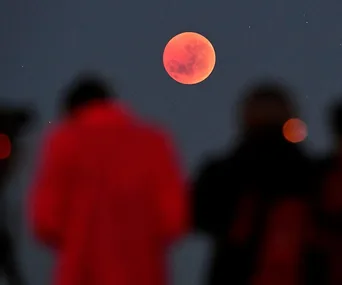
336, 120
84, 90
13, 120
267, 103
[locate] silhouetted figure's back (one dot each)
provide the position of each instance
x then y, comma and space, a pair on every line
329, 203
12, 120
109, 195
248, 198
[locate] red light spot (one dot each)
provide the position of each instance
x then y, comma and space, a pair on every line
5, 146
295, 130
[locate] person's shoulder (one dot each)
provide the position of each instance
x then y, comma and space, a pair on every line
213, 164
59, 134
325, 164
215, 161
326, 161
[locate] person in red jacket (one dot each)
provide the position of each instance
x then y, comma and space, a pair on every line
109, 196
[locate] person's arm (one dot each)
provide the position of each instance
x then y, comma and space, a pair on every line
47, 200
171, 191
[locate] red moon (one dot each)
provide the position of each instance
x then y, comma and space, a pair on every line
189, 58
295, 130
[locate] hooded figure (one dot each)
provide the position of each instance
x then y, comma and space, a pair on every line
109, 195
252, 201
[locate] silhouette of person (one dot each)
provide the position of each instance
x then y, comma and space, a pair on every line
252, 201
329, 202
12, 121
335, 127
109, 195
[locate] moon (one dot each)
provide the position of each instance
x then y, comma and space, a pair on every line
189, 58
295, 130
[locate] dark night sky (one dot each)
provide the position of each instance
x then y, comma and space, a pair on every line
44, 43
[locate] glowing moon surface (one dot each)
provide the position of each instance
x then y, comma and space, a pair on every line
189, 58
295, 130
